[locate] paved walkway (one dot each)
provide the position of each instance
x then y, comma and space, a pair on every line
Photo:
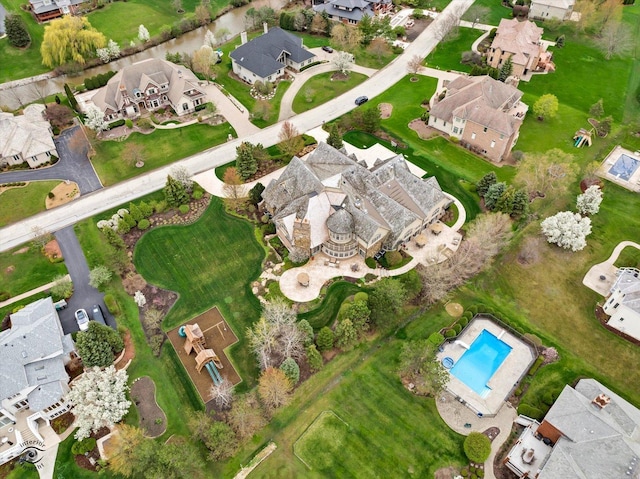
607, 270
286, 110
231, 109
456, 415
441, 75
37, 290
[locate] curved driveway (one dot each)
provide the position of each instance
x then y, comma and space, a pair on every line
106, 198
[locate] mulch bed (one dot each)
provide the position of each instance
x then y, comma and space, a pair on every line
424, 131
152, 417
90, 460
218, 336
446, 473
491, 433
129, 351
52, 250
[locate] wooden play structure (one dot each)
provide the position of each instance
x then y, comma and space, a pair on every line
582, 138
205, 358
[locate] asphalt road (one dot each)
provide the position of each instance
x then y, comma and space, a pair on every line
74, 165
84, 296
106, 198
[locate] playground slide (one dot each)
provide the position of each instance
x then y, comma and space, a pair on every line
577, 143
213, 372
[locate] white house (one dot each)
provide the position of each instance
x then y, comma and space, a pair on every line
265, 58
27, 137
33, 378
623, 303
551, 9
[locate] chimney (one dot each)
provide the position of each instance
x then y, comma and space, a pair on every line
243, 37
602, 400
265, 27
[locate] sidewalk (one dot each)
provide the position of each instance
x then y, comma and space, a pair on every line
601, 276
31, 293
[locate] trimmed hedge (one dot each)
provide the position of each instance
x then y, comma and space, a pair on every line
361, 296
449, 333
535, 366
111, 303
457, 328
81, 447
184, 209
370, 262
115, 124
436, 339
530, 411
143, 224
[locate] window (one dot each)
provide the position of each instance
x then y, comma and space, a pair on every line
151, 91
616, 305
444, 123
48, 154
473, 136
16, 157
493, 143
502, 137
484, 129
455, 129
185, 107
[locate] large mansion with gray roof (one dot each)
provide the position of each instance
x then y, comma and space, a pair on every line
266, 57
33, 378
147, 86
332, 203
483, 113
352, 11
589, 432
26, 138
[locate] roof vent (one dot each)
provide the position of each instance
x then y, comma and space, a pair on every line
602, 400
24, 354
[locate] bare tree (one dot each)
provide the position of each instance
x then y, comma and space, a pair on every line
182, 176
59, 115
233, 188
414, 65
615, 39
379, 47
446, 26
133, 154
476, 14
274, 388
291, 141
246, 416
222, 393
541, 173
203, 60
40, 236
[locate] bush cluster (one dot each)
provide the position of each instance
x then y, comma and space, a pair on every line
85, 445
14, 183
98, 81
535, 366
115, 124
111, 303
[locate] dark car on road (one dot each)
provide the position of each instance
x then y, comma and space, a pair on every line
96, 313
361, 100
327, 49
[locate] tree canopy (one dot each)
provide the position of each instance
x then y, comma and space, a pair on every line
97, 345
69, 39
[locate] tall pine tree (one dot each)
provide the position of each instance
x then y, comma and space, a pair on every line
485, 182
175, 192
334, 139
246, 162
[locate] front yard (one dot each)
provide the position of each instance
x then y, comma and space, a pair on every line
17, 203
315, 91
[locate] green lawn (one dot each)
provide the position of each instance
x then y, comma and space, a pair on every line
317, 88
160, 148
20, 203
325, 444
327, 310
447, 54
496, 12
22, 272
209, 263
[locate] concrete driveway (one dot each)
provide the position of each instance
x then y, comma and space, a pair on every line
84, 296
74, 164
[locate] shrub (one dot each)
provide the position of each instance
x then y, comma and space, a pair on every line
530, 411
143, 224
436, 339
463, 322
291, 370
477, 447
197, 194
449, 333
83, 446
160, 206
128, 123
548, 398
4, 295
111, 303
480, 473
115, 124
50, 195
370, 262
536, 365
457, 328
146, 209
324, 340
393, 258
184, 209
518, 391
361, 296
464, 472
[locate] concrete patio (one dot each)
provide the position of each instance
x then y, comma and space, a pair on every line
601, 276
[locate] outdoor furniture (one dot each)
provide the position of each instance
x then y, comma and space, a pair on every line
303, 279
421, 240
528, 455
436, 228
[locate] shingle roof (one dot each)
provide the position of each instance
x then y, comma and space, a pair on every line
598, 442
38, 6
482, 100
566, 4
519, 38
629, 285
27, 134
33, 352
261, 54
340, 222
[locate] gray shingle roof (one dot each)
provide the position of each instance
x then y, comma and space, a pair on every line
599, 442
39, 7
27, 134
33, 351
629, 285
359, 9
261, 55
340, 222
480, 99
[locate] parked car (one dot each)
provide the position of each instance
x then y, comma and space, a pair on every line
82, 319
96, 313
60, 304
361, 100
327, 49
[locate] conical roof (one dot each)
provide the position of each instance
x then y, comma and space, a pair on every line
341, 222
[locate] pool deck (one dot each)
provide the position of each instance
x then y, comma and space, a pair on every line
505, 378
633, 183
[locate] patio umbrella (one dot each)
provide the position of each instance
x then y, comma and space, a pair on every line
436, 228
421, 240
303, 279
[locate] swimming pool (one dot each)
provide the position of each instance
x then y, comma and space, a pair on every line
624, 167
479, 363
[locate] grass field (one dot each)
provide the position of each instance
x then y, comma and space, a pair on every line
160, 148
20, 203
208, 263
21, 272
323, 443
447, 54
316, 89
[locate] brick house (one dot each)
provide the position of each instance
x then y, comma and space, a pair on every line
147, 86
334, 204
483, 113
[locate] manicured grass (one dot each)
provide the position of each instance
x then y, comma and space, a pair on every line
447, 54
317, 88
362, 56
323, 444
275, 102
66, 464
160, 148
496, 11
29, 270
208, 263
20, 203
326, 312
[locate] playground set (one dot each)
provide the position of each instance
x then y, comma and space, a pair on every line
201, 343
582, 137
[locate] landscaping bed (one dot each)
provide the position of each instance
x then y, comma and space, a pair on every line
152, 418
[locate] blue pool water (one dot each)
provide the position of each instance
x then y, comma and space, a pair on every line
624, 167
480, 362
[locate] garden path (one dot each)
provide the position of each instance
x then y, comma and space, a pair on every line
607, 269
37, 290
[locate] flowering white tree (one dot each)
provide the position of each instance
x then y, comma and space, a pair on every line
139, 299
566, 229
210, 39
111, 51
143, 34
95, 119
99, 399
588, 203
182, 175
343, 62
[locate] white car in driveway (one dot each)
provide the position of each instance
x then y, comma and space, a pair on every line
82, 318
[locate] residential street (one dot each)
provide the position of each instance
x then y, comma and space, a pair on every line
84, 296
73, 164
124, 192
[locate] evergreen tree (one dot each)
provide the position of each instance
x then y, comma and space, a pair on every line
175, 193
485, 182
505, 202
371, 119
346, 334
520, 203
314, 358
291, 370
324, 340
597, 109
16, 31
255, 193
334, 139
493, 194
506, 70
135, 212
246, 162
